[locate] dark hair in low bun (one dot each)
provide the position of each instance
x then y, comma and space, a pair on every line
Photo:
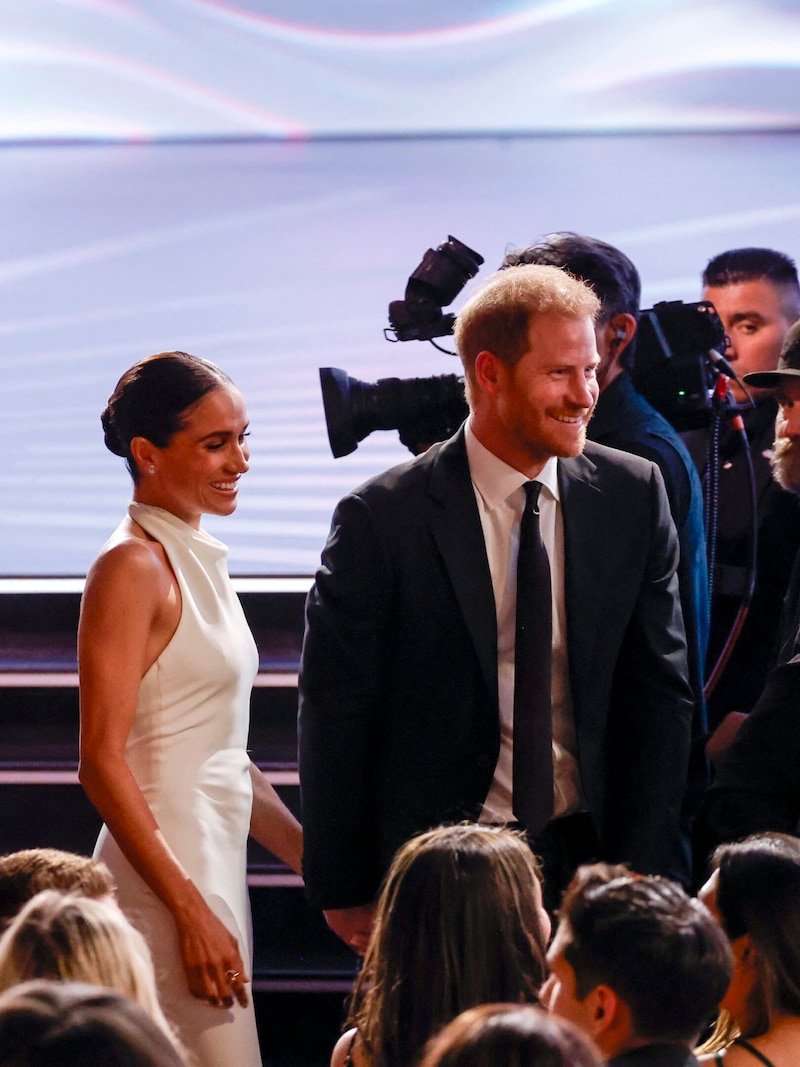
151, 397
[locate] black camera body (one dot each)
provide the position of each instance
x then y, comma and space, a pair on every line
675, 365
437, 281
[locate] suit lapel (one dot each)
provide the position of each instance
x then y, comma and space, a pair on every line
586, 533
455, 526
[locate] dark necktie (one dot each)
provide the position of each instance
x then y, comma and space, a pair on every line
533, 657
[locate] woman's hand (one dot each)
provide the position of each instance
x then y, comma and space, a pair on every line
214, 968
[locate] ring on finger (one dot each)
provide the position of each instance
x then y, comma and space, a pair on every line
231, 976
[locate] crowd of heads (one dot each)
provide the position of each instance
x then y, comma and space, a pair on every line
77, 983
457, 972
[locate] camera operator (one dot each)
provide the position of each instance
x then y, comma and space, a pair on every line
756, 294
624, 419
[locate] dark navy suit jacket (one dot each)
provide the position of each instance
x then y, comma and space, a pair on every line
399, 719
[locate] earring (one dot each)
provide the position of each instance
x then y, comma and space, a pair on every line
152, 468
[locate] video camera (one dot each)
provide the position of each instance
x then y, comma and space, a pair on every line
677, 363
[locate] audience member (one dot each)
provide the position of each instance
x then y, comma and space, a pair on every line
638, 964
65, 937
757, 785
412, 655
624, 419
24, 874
459, 922
510, 1035
71, 1024
754, 892
757, 296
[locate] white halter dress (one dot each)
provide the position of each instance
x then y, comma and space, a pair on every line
187, 751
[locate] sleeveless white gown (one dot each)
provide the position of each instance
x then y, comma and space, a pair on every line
187, 751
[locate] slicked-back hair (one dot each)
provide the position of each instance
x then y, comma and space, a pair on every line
497, 318
657, 948
151, 399
456, 926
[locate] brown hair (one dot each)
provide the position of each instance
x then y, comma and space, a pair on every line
151, 398
25, 873
514, 1035
68, 1024
456, 925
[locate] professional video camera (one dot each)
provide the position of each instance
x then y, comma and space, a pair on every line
678, 361
422, 410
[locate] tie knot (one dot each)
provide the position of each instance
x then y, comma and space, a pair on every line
532, 495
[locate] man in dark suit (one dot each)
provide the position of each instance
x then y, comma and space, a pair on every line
624, 419
407, 674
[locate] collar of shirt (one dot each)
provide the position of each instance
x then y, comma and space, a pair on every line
495, 480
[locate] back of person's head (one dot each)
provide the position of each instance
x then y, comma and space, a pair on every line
609, 272
758, 893
152, 396
63, 937
748, 265
70, 1024
24, 874
656, 947
459, 922
510, 1035
498, 316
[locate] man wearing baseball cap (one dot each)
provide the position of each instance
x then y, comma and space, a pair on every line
757, 786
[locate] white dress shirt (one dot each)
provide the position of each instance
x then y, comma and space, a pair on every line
500, 497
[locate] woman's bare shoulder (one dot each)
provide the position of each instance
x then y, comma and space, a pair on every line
130, 557
349, 1050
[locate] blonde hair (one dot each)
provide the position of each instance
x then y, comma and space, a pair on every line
67, 937
497, 317
456, 925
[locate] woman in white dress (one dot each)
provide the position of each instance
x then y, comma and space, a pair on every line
166, 664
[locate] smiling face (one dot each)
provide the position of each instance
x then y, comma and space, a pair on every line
541, 405
198, 471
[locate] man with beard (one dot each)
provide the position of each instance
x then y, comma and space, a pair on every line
430, 692
757, 786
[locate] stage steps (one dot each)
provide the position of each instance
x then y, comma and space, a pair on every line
41, 802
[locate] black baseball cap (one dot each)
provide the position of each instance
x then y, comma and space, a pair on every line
788, 364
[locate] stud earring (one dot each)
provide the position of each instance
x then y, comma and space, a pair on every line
152, 468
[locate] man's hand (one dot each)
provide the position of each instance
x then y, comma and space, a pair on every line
724, 735
353, 925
